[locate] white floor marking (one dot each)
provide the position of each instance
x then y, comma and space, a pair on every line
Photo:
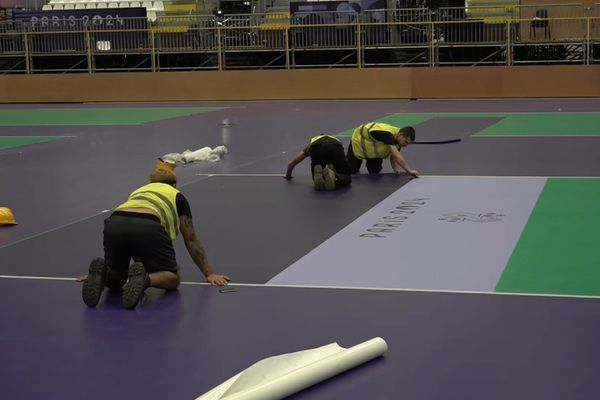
233, 285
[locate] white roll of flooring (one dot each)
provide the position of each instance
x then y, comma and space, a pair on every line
280, 376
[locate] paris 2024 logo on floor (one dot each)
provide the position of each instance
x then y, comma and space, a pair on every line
472, 217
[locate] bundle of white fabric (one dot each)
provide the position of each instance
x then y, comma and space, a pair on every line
188, 156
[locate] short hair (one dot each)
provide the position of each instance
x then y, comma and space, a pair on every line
161, 175
409, 132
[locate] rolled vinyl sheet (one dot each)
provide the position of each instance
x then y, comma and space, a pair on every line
281, 376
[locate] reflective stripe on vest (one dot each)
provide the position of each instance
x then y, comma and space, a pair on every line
162, 199
363, 144
319, 137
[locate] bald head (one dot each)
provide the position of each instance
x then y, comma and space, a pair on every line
163, 176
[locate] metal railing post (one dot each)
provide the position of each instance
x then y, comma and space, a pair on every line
88, 44
287, 47
27, 54
152, 50
220, 54
432, 45
587, 41
359, 55
508, 43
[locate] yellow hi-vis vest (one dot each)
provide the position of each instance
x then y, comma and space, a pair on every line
319, 137
363, 144
161, 198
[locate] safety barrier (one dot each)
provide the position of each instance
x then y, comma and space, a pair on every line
403, 37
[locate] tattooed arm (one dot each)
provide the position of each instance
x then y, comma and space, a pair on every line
397, 160
196, 251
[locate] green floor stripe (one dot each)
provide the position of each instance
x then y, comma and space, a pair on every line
7, 142
545, 124
558, 252
95, 116
399, 120
511, 124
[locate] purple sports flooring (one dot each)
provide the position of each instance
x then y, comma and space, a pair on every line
179, 345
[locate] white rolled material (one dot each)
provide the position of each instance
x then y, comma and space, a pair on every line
188, 156
280, 376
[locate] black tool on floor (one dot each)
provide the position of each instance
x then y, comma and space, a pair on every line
438, 141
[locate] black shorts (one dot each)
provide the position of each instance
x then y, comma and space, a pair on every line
137, 236
329, 151
374, 165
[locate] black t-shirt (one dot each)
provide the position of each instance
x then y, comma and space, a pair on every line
383, 136
183, 207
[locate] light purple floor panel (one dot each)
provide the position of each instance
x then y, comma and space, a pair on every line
434, 233
179, 345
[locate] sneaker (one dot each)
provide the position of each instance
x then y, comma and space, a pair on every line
329, 178
94, 283
137, 282
318, 177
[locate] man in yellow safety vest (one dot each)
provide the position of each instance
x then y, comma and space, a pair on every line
143, 229
375, 141
330, 169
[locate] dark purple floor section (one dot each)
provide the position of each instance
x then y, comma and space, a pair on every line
500, 156
179, 345
50, 184
54, 183
252, 227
